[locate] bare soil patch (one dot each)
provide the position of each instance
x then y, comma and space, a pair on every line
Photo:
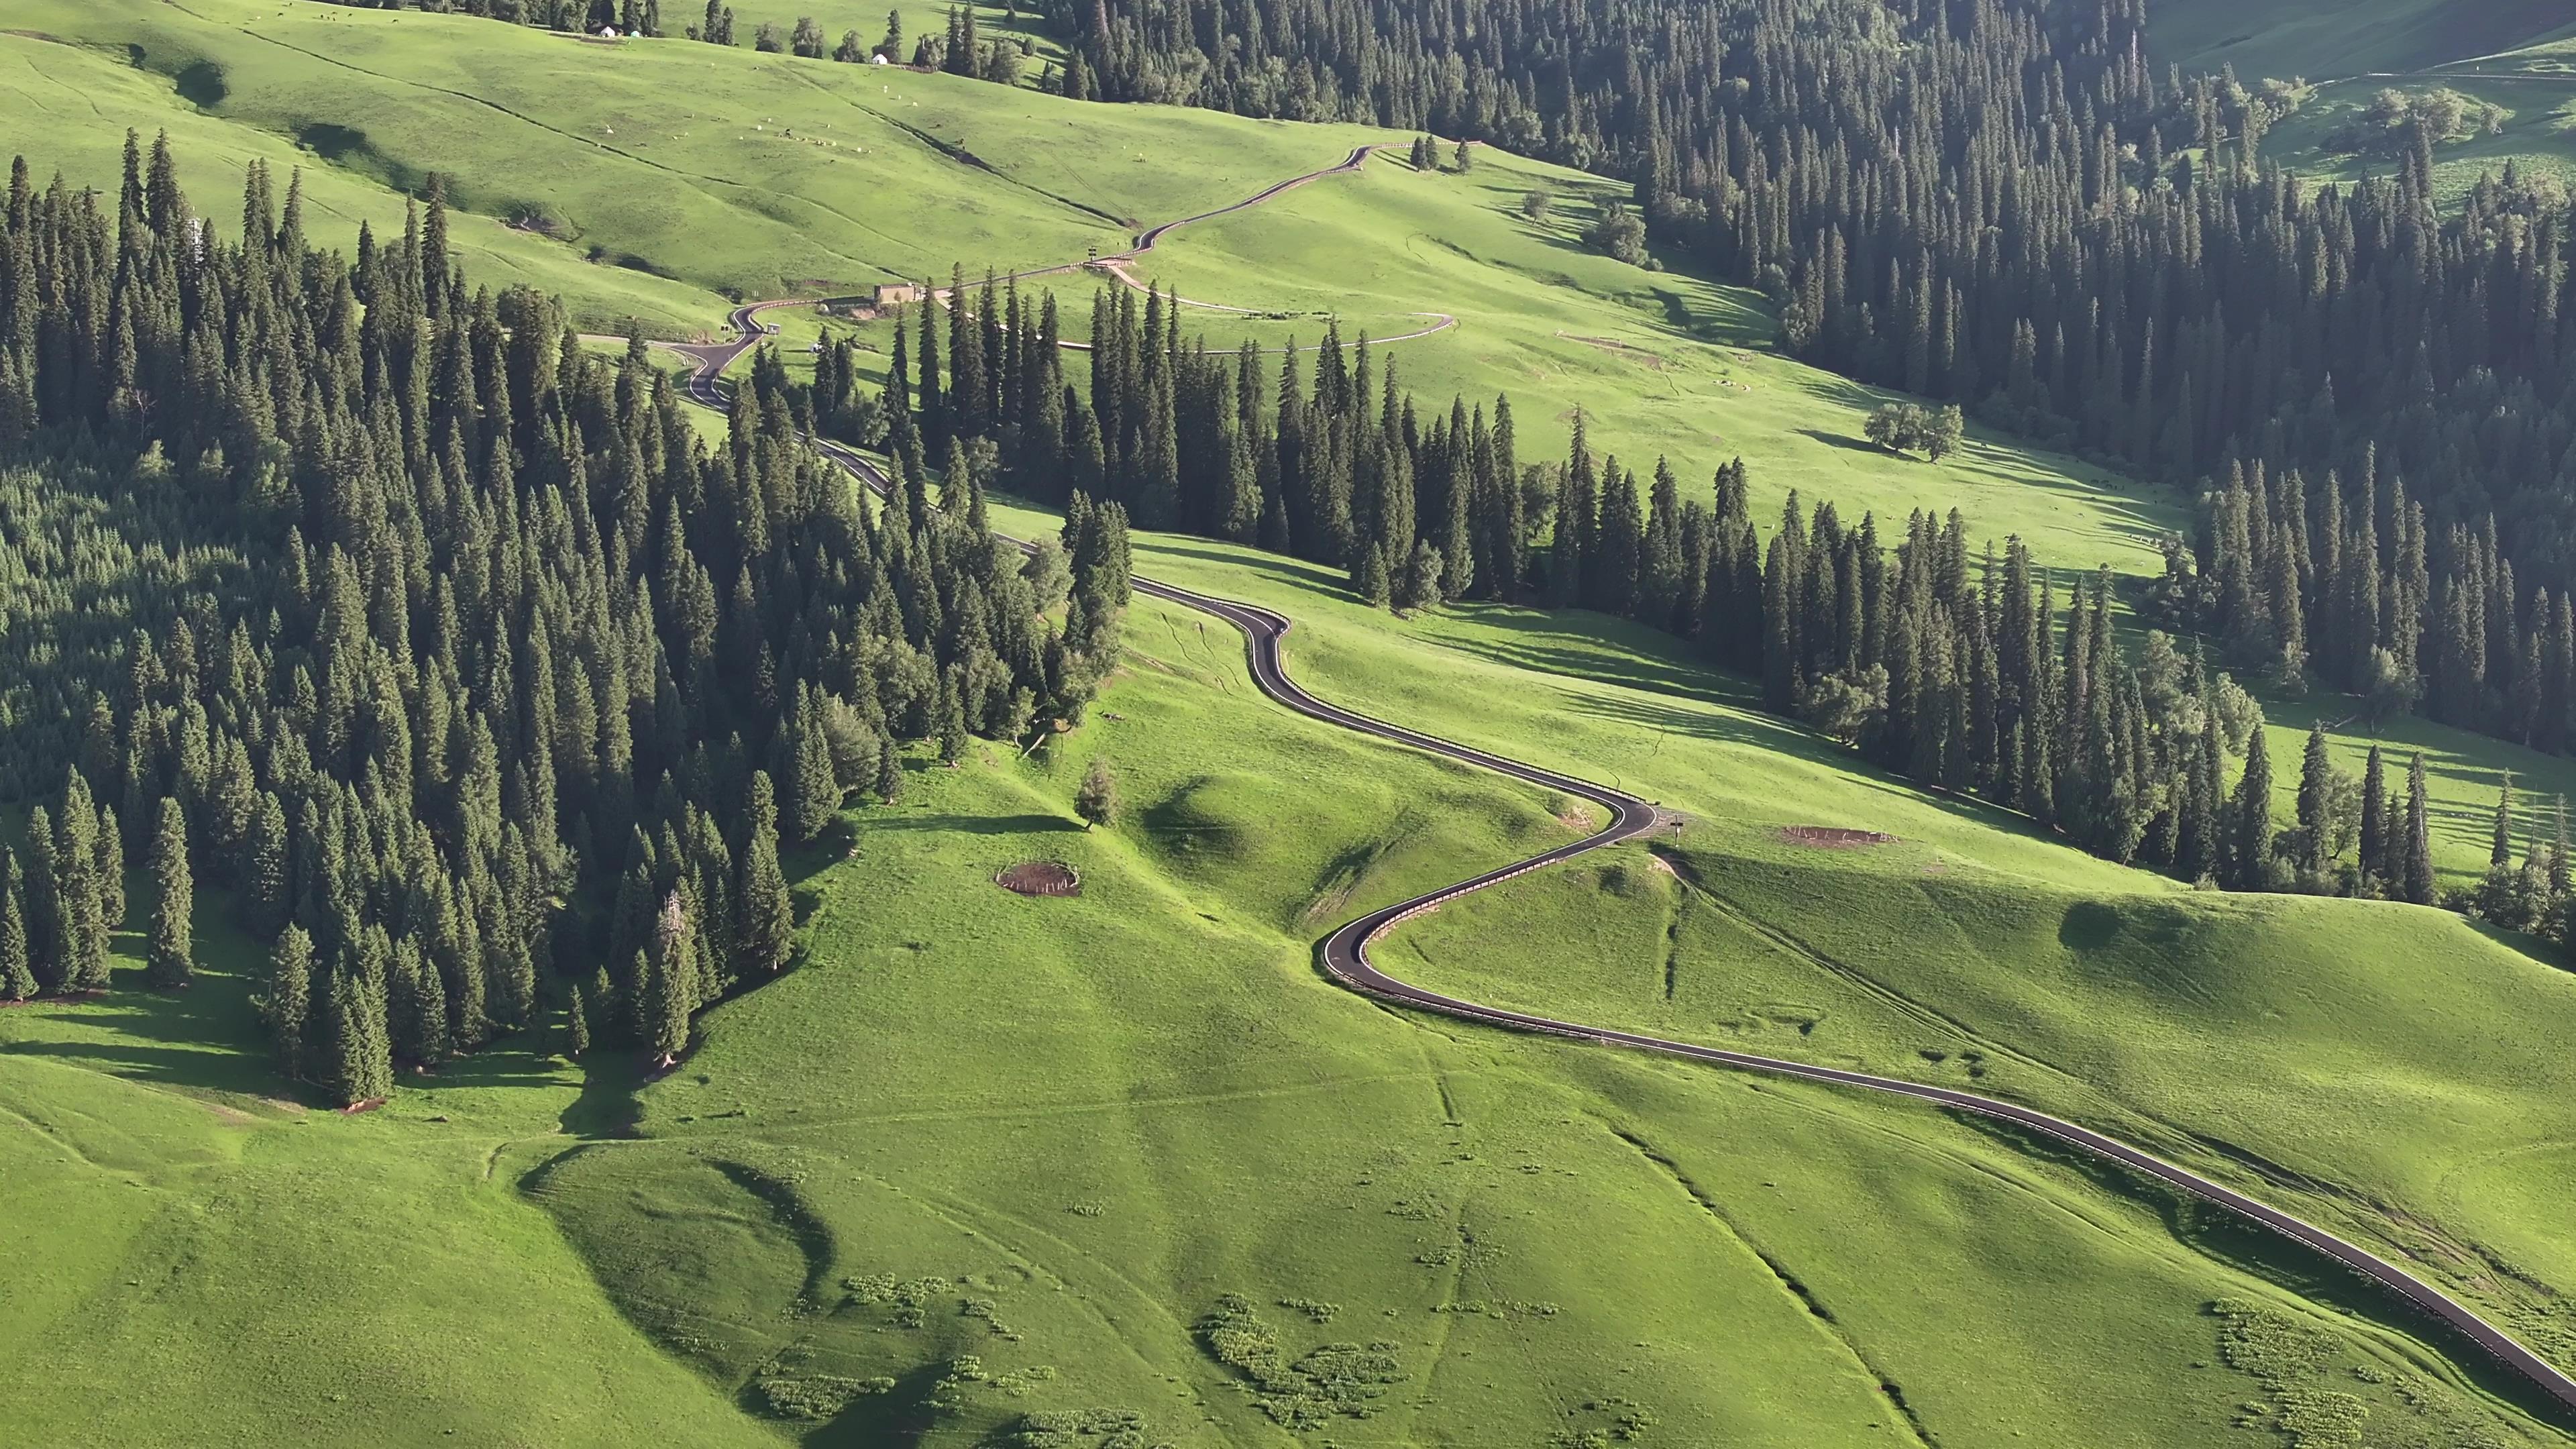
1040, 878
1829, 837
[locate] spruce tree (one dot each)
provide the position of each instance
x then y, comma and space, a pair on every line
576, 1023
2559, 865
110, 844
289, 1002
2418, 848
803, 760
80, 906
43, 904
766, 916
170, 959
2374, 816
889, 773
362, 1043
2316, 794
2250, 835
1097, 801
671, 975
2500, 847
17, 977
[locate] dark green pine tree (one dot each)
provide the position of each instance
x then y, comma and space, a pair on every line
362, 1042
2374, 816
1369, 578
80, 929
766, 919
170, 959
2316, 797
889, 773
934, 405
2249, 845
109, 841
2560, 867
17, 976
2500, 848
802, 758
288, 1006
576, 1039
2418, 846
42, 900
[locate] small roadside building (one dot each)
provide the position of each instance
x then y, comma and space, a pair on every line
897, 294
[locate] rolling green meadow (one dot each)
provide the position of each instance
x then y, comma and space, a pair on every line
2321, 39
1053, 1136
1027, 1173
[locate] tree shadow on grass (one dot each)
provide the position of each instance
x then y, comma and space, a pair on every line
1845, 442
204, 1036
1025, 824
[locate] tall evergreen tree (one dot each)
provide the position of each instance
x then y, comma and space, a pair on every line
767, 919
2418, 877
170, 959
2250, 836
288, 1004
17, 974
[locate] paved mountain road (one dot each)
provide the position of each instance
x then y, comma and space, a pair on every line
1345, 952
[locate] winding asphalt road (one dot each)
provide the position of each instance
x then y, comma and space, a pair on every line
1345, 952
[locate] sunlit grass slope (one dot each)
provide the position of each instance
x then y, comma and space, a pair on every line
755, 174
68, 108
1055, 1134
2323, 39
1091, 1119
2536, 89
188, 1256
1658, 362
2375, 1064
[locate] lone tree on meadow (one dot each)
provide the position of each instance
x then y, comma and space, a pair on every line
170, 959
1097, 801
1910, 428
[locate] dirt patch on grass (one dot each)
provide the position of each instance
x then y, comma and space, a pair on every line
1829, 837
1040, 878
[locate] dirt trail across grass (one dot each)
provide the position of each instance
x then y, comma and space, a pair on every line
714, 357
1344, 954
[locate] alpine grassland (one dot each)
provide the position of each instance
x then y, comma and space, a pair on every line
2321, 39
1113, 1163
985, 1164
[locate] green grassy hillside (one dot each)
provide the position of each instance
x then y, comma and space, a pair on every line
1662, 362
1055, 1135
260, 1273
1061, 1138
2535, 91
754, 174
2324, 39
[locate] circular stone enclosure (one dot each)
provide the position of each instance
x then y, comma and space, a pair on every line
1040, 878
